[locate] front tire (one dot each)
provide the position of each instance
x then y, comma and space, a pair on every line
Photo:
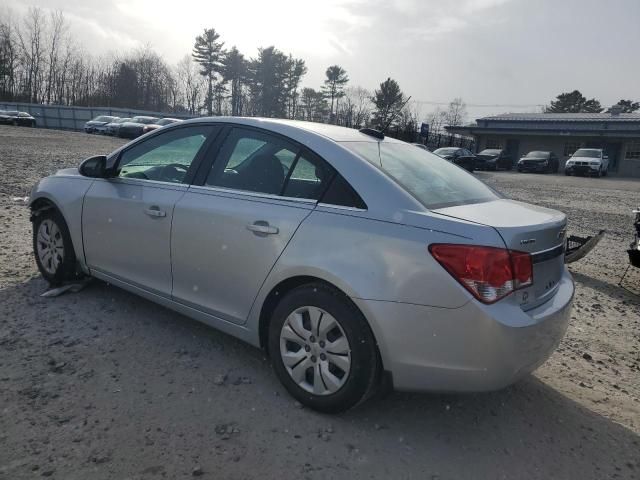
322, 349
53, 248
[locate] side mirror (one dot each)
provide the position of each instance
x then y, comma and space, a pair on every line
94, 167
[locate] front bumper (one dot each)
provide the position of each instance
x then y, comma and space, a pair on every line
582, 169
473, 348
532, 167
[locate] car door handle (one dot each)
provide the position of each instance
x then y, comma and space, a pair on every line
261, 227
155, 212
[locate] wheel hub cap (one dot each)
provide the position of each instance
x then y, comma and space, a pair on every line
50, 246
315, 350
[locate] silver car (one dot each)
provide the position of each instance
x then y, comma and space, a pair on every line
344, 254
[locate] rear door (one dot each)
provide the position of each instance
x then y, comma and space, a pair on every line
229, 230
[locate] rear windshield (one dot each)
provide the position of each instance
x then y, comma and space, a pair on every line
432, 180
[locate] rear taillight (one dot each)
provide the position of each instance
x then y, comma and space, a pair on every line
489, 273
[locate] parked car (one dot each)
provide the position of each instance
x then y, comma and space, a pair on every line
16, 118
588, 161
459, 156
493, 159
112, 128
135, 127
98, 124
539, 161
160, 123
344, 254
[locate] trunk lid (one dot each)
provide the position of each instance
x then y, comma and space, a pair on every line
526, 228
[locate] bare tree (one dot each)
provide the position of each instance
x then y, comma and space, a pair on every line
456, 114
191, 83
57, 30
30, 41
355, 109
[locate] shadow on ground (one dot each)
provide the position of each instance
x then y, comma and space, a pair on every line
103, 384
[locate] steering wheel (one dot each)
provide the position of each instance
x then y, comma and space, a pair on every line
174, 171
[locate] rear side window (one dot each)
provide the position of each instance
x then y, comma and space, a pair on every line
343, 194
432, 180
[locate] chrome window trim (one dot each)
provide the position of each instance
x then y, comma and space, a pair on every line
142, 182
252, 195
342, 207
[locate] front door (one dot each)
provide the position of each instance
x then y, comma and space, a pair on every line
229, 232
126, 220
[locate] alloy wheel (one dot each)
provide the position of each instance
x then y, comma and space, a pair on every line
315, 350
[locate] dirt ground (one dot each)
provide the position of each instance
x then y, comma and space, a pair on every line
105, 385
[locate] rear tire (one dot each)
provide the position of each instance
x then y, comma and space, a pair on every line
53, 248
313, 375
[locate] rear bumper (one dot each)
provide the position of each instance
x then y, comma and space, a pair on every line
469, 349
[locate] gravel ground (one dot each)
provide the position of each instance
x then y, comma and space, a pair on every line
102, 384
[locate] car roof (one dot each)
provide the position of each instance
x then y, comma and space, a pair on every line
333, 132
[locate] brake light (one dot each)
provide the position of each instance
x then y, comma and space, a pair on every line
489, 273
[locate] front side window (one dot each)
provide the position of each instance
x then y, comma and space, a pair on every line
166, 157
433, 181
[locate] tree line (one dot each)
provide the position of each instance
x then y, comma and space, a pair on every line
576, 102
41, 62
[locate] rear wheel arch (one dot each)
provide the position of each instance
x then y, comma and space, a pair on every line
285, 286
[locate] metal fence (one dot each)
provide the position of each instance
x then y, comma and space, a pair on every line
74, 118
434, 140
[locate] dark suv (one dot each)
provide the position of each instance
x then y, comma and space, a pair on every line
493, 159
539, 161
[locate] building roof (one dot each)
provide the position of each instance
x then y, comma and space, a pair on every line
584, 124
563, 117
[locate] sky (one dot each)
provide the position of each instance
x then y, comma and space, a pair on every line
497, 55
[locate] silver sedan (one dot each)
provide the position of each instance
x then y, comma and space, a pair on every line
345, 254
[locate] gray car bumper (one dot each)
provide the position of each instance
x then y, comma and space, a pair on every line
472, 348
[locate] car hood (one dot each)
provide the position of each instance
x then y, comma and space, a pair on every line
94, 122
486, 157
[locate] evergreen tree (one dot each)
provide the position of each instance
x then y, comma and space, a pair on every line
388, 102
574, 102
208, 53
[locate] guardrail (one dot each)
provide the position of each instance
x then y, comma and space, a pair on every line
73, 118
